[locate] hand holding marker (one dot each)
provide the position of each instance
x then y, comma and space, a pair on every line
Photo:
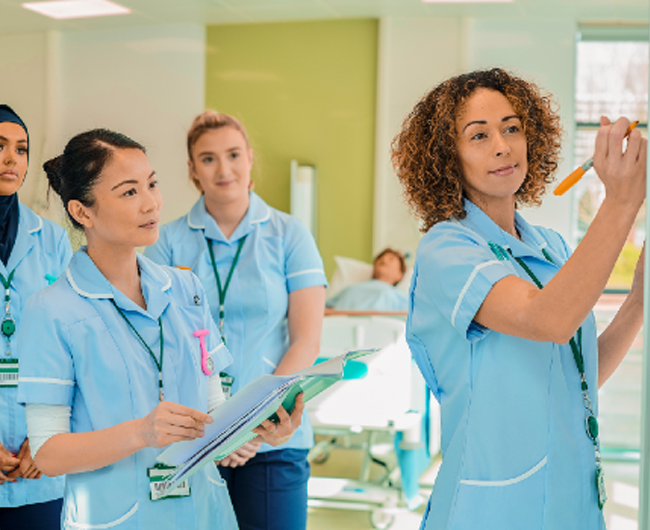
575, 177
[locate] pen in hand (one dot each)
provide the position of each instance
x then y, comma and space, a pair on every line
575, 177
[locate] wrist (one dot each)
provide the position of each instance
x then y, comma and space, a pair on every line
614, 219
622, 209
138, 434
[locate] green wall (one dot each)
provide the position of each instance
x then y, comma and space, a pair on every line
305, 90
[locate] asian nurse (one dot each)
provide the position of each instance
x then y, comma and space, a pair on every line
33, 251
500, 318
113, 372
264, 278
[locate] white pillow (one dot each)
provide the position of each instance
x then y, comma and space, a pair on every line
350, 271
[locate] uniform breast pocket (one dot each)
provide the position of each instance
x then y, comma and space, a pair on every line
515, 502
191, 319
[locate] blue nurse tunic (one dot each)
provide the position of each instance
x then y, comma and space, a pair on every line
79, 352
515, 453
41, 251
279, 256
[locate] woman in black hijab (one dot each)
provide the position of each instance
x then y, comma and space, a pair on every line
33, 253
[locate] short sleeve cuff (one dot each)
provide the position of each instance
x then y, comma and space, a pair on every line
476, 331
45, 391
306, 278
221, 357
473, 294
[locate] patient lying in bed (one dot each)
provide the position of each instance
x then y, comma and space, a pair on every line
379, 293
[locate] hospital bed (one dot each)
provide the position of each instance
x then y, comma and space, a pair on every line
387, 403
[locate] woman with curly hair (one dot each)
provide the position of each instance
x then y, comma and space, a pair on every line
500, 318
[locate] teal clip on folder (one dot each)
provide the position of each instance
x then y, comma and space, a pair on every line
236, 418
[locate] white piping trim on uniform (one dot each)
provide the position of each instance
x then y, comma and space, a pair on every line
40, 225
269, 362
48, 380
105, 525
308, 271
509, 482
469, 281
84, 293
196, 227
265, 218
169, 281
212, 352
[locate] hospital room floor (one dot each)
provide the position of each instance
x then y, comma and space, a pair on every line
620, 409
346, 463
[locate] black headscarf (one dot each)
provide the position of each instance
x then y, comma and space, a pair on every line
9, 211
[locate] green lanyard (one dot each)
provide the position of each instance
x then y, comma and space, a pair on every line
159, 364
8, 322
224, 290
591, 423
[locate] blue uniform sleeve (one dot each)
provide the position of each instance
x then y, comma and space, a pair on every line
303, 264
213, 342
161, 251
46, 373
456, 271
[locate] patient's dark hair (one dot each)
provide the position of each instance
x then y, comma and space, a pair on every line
398, 255
73, 174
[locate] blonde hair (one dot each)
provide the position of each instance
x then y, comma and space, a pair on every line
211, 120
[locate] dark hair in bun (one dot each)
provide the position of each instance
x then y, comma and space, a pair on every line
51, 168
73, 174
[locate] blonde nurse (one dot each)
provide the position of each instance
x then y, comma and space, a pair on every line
264, 279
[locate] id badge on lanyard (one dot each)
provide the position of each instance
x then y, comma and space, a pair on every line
8, 373
226, 384
157, 476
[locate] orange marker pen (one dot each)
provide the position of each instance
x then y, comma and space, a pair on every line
575, 177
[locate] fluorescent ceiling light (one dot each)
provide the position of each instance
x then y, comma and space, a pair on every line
77, 9
467, 1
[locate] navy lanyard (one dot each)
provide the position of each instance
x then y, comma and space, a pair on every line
159, 364
223, 290
591, 423
8, 322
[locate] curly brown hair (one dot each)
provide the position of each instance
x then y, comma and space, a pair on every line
425, 156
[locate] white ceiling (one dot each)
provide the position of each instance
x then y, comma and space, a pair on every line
15, 19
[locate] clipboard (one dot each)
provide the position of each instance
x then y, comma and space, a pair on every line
234, 420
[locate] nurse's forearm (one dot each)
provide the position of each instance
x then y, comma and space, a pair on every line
572, 294
617, 339
516, 307
299, 356
167, 423
79, 452
305, 316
